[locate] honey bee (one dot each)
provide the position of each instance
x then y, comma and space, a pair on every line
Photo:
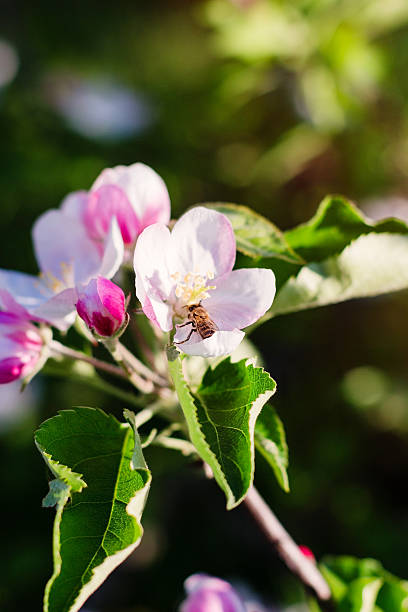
200, 322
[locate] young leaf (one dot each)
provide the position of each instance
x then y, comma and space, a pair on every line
364, 585
221, 419
270, 441
255, 235
98, 512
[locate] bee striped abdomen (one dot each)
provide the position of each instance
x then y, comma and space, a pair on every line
203, 323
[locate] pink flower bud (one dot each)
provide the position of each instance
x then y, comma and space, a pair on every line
102, 306
102, 205
210, 594
307, 552
21, 345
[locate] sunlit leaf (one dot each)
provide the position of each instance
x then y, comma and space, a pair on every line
221, 418
255, 235
98, 511
372, 265
335, 225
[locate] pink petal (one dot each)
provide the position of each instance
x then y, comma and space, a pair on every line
144, 188
219, 344
59, 241
209, 594
12, 368
153, 255
105, 203
205, 243
241, 297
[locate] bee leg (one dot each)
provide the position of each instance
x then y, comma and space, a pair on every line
184, 324
193, 329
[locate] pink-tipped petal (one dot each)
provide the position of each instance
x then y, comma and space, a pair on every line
153, 256
219, 344
144, 188
8, 302
21, 346
205, 243
241, 298
63, 248
104, 204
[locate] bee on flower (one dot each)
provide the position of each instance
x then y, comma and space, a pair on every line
185, 280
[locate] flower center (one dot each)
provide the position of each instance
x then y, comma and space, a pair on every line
192, 287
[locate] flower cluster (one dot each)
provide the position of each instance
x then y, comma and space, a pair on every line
184, 278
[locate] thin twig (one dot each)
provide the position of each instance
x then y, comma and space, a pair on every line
97, 383
57, 348
140, 367
287, 549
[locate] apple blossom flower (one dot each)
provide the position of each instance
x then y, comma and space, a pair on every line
67, 258
192, 265
101, 304
144, 189
136, 195
102, 205
21, 347
209, 594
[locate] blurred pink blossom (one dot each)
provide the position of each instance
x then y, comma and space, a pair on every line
21, 346
209, 594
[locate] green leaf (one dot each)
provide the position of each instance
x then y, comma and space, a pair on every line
221, 418
270, 441
371, 265
335, 225
98, 512
363, 585
255, 235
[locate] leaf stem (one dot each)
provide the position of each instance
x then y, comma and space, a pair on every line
57, 348
288, 550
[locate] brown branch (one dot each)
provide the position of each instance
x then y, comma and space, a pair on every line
288, 550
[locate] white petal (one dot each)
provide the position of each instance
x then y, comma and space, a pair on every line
219, 344
145, 189
59, 311
73, 205
154, 286
60, 241
241, 297
113, 252
204, 241
27, 290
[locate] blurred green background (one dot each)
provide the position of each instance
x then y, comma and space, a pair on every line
269, 103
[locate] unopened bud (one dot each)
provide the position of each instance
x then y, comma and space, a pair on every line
102, 306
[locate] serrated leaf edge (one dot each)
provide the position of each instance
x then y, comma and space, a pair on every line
201, 443
134, 508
